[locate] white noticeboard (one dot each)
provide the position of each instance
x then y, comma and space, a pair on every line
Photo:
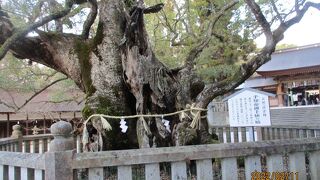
249, 109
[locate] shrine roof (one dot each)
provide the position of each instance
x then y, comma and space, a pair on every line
292, 61
248, 89
11, 100
257, 82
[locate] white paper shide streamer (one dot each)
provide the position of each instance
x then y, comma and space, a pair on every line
166, 123
123, 125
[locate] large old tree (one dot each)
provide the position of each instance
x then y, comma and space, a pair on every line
113, 62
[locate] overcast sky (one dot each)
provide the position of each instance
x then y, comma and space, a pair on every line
304, 33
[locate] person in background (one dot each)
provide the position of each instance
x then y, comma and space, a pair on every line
295, 99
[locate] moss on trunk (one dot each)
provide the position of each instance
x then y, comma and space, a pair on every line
83, 50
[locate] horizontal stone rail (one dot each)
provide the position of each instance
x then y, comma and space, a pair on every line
297, 158
37, 137
62, 164
196, 152
5, 141
203, 155
31, 143
27, 160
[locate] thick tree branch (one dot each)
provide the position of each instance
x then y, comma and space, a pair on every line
46, 49
40, 91
228, 84
24, 31
90, 19
246, 70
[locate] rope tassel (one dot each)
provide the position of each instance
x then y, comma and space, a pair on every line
85, 135
196, 120
105, 124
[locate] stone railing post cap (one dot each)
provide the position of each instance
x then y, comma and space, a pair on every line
61, 128
16, 127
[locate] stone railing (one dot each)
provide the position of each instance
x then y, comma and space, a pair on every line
26, 158
31, 143
223, 161
228, 134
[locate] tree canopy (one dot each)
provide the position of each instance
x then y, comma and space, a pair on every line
148, 56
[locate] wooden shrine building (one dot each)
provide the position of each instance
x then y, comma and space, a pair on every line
292, 74
36, 115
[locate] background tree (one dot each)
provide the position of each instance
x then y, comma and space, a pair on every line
117, 65
23, 76
285, 46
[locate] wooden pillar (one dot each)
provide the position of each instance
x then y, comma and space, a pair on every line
27, 125
2, 133
8, 125
44, 125
280, 94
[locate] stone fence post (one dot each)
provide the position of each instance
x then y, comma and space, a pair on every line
58, 161
17, 133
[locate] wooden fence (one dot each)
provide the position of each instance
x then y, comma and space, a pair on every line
299, 158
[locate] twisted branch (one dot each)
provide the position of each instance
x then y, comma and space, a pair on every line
19, 33
90, 19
